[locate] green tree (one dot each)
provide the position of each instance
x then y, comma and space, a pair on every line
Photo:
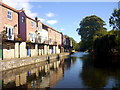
114, 19
90, 27
103, 46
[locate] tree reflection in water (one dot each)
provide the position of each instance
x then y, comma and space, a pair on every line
97, 77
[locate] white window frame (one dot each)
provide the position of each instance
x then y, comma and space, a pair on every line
32, 37
9, 14
39, 26
32, 24
50, 30
12, 33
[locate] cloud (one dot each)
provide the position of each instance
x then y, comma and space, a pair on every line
42, 19
61, 29
51, 22
19, 4
50, 14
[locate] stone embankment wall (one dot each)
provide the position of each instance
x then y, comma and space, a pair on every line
15, 63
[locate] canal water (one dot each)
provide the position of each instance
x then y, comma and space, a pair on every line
76, 71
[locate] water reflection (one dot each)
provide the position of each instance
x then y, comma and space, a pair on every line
36, 76
77, 71
98, 77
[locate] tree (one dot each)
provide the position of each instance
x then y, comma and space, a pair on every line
103, 46
90, 27
114, 20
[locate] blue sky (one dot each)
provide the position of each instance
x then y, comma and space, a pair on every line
69, 14
66, 16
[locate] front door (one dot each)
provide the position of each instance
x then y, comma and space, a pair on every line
27, 51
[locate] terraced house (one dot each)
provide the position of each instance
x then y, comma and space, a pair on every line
23, 36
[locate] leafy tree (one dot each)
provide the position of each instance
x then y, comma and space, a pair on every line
90, 27
116, 33
114, 20
103, 45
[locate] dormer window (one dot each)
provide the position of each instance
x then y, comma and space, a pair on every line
32, 24
9, 15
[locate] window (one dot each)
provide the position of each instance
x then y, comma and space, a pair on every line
32, 24
50, 30
9, 15
23, 19
45, 38
32, 37
39, 26
10, 33
50, 40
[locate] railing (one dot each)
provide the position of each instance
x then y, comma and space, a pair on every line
46, 42
17, 37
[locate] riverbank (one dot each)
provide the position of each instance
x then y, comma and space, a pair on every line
20, 62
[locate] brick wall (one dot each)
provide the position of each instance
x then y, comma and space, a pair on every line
8, 22
29, 28
52, 35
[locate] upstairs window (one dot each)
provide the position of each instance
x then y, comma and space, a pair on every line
23, 19
50, 30
39, 27
50, 40
9, 15
32, 37
32, 24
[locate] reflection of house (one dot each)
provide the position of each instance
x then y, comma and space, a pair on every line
36, 77
56, 74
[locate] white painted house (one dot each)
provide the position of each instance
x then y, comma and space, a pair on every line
42, 34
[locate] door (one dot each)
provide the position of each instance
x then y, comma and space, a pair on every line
27, 51
52, 50
43, 51
0, 53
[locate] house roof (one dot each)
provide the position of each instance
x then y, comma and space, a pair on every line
15, 10
52, 28
8, 7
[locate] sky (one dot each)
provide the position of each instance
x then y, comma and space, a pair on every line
65, 17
